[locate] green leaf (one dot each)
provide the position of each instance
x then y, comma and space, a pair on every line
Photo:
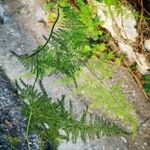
86, 49
146, 87
49, 117
146, 78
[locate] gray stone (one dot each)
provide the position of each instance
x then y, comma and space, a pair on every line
28, 34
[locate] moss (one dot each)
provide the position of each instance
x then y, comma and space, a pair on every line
14, 141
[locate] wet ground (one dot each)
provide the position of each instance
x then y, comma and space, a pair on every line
20, 31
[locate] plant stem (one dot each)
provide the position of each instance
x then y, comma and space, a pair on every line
51, 33
27, 130
37, 71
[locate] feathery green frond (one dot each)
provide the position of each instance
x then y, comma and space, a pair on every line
49, 118
146, 85
65, 49
110, 100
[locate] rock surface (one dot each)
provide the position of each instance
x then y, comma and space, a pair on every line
21, 32
12, 122
121, 23
147, 45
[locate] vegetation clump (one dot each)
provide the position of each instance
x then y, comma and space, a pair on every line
76, 37
48, 118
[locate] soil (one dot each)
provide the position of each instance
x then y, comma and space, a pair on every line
21, 31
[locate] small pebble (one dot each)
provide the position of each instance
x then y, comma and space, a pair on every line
147, 45
145, 144
144, 125
123, 139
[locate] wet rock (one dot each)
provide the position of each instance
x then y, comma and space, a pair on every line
1, 20
3, 17
4, 145
147, 5
12, 122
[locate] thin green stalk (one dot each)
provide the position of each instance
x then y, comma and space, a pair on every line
27, 130
51, 33
37, 72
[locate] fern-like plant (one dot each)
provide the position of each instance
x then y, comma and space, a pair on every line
146, 85
47, 118
109, 100
68, 48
